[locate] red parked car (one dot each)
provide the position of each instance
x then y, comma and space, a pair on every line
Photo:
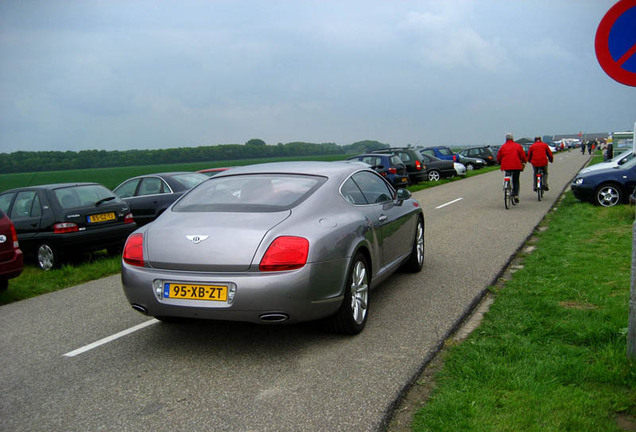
11, 258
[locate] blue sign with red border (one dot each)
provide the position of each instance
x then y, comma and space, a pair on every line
615, 42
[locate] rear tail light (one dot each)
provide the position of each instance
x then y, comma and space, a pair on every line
285, 253
418, 165
129, 218
65, 227
14, 234
454, 158
393, 170
134, 250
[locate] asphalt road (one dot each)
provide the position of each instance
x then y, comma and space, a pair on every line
214, 376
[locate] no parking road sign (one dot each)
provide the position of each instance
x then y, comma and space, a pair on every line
615, 42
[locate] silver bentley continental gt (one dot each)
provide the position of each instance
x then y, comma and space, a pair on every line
272, 243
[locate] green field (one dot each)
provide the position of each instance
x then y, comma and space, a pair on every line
111, 177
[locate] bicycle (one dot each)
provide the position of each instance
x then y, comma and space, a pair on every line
539, 183
507, 188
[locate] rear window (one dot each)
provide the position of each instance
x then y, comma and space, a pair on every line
81, 196
190, 180
395, 160
445, 151
249, 193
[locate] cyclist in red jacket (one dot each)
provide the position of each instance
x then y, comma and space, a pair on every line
512, 158
539, 154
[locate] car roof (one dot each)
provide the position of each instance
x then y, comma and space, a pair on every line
373, 155
51, 186
328, 169
165, 174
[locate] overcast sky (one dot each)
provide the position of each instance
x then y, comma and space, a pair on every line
115, 75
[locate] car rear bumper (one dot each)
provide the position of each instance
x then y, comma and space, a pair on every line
88, 240
12, 267
310, 293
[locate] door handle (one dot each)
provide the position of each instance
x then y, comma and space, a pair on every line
383, 218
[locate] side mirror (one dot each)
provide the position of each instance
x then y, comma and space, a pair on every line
402, 194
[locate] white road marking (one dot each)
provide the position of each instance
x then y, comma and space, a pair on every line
449, 203
110, 338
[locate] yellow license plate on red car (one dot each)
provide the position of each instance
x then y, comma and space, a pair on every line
195, 292
102, 217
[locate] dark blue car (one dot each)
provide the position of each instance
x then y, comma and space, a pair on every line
389, 166
606, 187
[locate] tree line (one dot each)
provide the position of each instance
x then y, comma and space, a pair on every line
28, 161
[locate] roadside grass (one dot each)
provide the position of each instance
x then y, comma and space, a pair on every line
33, 281
550, 355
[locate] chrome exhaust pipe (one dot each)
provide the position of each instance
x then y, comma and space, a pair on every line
140, 308
274, 317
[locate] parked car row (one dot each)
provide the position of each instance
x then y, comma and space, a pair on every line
57, 221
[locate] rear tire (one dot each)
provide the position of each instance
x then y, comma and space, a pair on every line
48, 257
415, 262
4, 285
507, 197
353, 312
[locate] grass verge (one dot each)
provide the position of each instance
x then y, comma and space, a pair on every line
550, 355
33, 281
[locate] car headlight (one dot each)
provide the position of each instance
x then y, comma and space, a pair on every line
578, 181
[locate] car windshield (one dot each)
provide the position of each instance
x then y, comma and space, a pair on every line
81, 195
249, 193
628, 155
629, 164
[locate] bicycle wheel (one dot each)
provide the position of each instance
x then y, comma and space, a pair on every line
539, 187
508, 196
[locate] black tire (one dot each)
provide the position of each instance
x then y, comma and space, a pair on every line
608, 195
354, 310
48, 256
507, 197
433, 175
415, 262
4, 285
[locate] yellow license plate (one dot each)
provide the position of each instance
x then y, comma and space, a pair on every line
195, 292
404, 179
103, 217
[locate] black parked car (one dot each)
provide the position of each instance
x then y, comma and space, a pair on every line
149, 195
413, 161
482, 152
606, 187
57, 220
436, 168
472, 163
387, 165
